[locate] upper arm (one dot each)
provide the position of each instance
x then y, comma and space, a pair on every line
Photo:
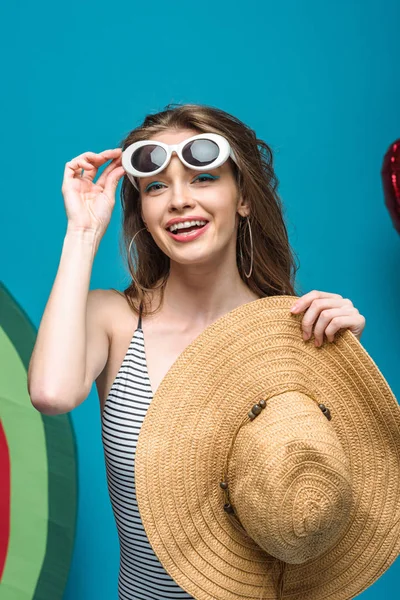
98, 335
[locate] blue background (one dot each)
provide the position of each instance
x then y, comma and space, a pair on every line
318, 81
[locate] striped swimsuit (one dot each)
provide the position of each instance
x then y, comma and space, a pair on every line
141, 575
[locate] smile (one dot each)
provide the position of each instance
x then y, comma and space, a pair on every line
188, 236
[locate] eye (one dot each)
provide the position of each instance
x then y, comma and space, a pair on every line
206, 177
203, 177
152, 185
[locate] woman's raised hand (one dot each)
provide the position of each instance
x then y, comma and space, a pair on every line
89, 204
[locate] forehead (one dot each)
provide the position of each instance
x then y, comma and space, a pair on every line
174, 137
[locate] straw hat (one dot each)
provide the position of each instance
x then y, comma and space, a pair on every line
309, 506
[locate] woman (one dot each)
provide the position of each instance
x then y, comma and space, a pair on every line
230, 248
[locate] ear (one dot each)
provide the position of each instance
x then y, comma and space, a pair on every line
243, 207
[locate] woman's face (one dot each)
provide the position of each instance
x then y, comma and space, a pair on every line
178, 192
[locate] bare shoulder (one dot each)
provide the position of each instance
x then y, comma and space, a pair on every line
107, 310
103, 303
105, 297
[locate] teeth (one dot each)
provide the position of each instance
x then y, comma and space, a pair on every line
185, 224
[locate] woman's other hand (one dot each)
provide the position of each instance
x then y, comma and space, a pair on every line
327, 313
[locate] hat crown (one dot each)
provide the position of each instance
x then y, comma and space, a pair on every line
289, 479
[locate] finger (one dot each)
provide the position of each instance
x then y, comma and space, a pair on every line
112, 182
89, 161
73, 168
353, 320
323, 324
304, 301
112, 151
116, 162
97, 160
314, 311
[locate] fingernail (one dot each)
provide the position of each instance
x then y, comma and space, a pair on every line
294, 307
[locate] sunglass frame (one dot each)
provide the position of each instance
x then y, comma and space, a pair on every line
225, 151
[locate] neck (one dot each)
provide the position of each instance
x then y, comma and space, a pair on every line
197, 295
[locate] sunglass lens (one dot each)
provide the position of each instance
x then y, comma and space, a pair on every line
148, 158
200, 152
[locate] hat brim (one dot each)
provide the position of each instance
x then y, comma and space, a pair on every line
248, 353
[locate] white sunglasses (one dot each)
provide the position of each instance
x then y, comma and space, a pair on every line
200, 152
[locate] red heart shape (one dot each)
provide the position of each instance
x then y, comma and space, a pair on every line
391, 182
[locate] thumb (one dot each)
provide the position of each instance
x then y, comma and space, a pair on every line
113, 180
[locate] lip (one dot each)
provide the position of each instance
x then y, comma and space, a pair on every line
182, 219
190, 236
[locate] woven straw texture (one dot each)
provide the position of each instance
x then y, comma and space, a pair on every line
257, 351
290, 460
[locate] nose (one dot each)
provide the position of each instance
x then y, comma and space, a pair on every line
181, 194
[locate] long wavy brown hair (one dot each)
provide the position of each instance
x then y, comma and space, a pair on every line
274, 266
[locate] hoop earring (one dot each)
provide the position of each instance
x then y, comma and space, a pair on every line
130, 258
251, 250
130, 245
138, 284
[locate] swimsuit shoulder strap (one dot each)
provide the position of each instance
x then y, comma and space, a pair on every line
140, 316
